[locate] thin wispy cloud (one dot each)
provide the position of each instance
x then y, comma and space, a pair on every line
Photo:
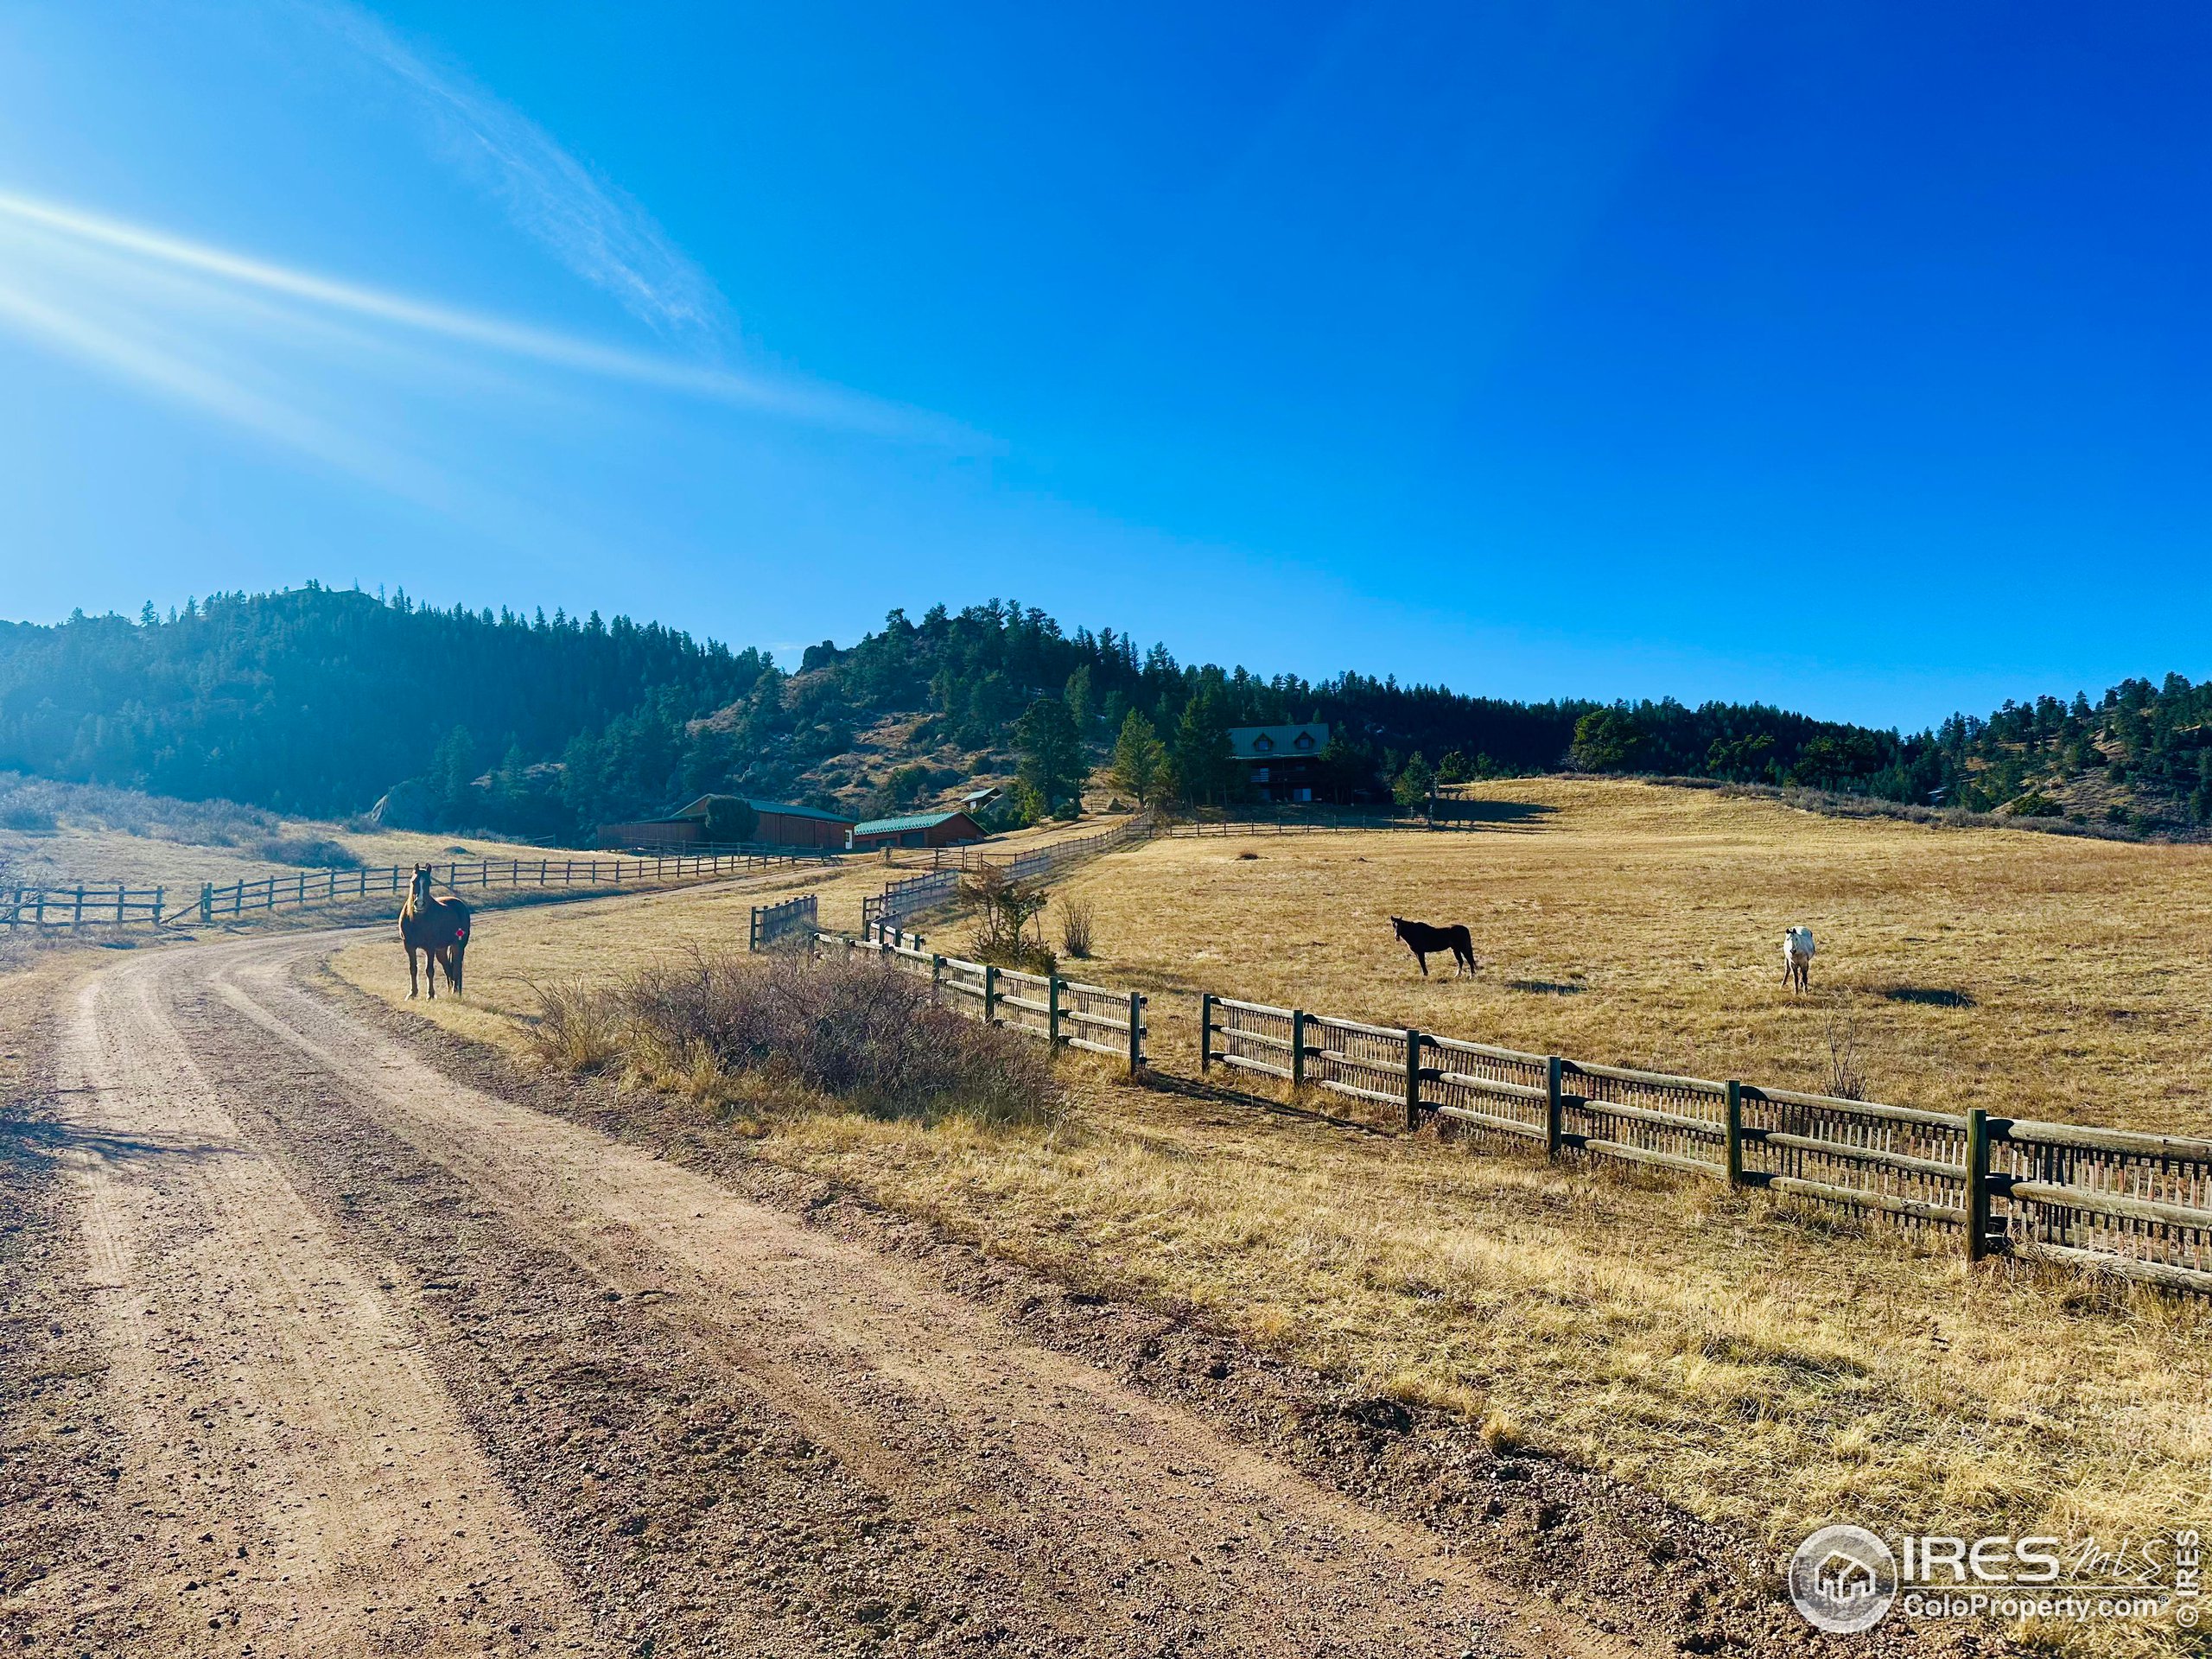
127, 355
588, 223
789, 397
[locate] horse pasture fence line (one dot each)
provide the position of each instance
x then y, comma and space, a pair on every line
1065, 1013
1052, 858
1335, 824
80, 906
2110, 1200
86, 907
939, 885
772, 922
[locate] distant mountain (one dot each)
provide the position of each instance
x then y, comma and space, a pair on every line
320, 701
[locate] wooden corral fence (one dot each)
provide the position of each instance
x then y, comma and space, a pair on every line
113, 907
772, 922
81, 906
939, 885
1039, 862
1064, 1012
1337, 823
2109, 1200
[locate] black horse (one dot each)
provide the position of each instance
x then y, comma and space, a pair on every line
1421, 939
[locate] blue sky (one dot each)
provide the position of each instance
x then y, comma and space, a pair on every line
1853, 358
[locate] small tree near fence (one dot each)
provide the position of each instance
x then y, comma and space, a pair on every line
1007, 933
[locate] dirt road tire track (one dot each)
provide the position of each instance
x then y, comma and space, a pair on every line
349, 1290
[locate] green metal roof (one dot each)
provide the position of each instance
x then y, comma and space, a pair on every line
912, 821
696, 809
787, 809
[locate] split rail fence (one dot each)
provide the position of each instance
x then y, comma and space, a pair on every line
109, 906
2109, 1200
1065, 1013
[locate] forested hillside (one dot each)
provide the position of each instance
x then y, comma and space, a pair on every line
320, 702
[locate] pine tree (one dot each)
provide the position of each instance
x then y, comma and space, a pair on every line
1139, 758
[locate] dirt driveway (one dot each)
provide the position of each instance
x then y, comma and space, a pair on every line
396, 1365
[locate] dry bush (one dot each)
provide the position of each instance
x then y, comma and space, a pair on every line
39, 806
1078, 918
1847, 1071
860, 1033
579, 1026
309, 852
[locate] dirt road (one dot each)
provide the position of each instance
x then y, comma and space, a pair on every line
396, 1365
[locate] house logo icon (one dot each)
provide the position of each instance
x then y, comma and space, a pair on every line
1843, 1580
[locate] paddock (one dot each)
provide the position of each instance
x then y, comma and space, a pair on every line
1628, 923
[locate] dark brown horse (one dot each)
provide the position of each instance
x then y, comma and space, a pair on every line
1422, 939
438, 928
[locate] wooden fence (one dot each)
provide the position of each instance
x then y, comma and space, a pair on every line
774, 922
1064, 1012
1334, 825
105, 906
2137, 1206
939, 885
1049, 859
113, 907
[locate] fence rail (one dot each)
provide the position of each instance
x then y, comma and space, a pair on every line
772, 922
87, 907
1051, 859
1335, 824
933, 888
1064, 1012
2136, 1205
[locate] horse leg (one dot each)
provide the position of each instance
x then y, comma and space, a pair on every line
459, 953
411, 987
1421, 956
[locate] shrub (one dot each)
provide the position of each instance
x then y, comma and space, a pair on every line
1077, 917
32, 820
860, 1033
579, 1026
313, 852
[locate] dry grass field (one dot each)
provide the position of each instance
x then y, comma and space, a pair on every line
1762, 1370
84, 850
2036, 976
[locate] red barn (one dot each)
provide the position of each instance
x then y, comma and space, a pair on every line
915, 829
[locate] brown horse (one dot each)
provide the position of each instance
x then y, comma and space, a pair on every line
1423, 941
438, 928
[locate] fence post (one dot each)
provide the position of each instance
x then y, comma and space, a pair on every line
206, 903
1205, 1032
1052, 1011
1735, 1126
161, 900
79, 919
1554, 1113
1298, 1048
990, 994
1977, 1183
937, 981
1414, 1040
1137, 1033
